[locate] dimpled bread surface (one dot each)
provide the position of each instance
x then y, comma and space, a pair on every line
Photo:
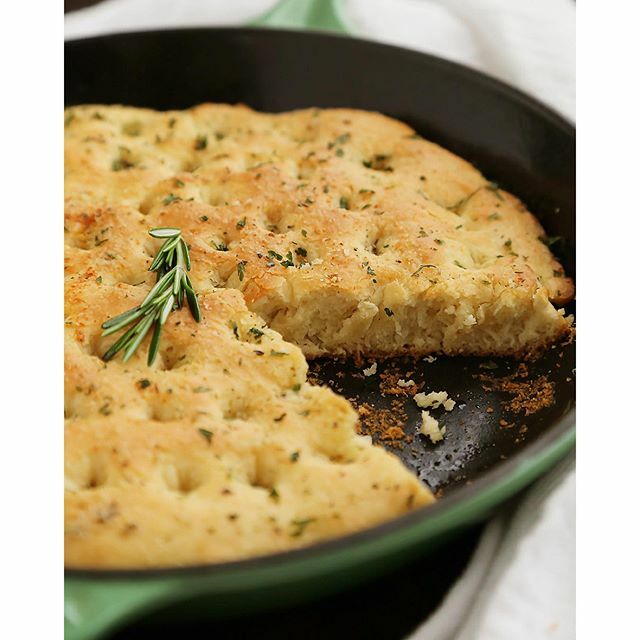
316, 232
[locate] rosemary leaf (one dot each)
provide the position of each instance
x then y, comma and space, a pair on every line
192, 301
164, 232
157, 287
117, 319
155, 344
170, 244
186, 282
180, 262
141, 330
157, 262
166, 309
177, 278
119, 344
113, 327
185, 253
160, 300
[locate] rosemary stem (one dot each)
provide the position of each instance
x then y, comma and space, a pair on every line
171, 264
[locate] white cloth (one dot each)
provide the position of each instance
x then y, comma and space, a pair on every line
529, 44
520, 583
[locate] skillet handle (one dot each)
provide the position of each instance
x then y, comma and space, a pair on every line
324, 15
91, 608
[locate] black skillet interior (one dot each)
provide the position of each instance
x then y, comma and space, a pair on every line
524, 147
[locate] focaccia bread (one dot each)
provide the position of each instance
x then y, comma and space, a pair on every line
312, 232
344, 230
220, 451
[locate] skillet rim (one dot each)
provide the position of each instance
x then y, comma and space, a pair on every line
488, 79
560, 437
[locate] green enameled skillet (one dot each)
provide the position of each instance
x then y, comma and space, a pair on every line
525, 147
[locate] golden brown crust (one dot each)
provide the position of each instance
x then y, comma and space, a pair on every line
219, 451
334, 214
355, 237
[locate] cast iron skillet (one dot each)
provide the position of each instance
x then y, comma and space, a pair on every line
514, 140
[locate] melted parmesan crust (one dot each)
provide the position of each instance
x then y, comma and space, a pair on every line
354, 236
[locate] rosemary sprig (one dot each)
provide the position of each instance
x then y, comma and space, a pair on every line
172, 286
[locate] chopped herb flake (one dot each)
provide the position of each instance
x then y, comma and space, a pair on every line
105, 410
551, 240
492, 186
201, 143
132, 128
420, 268
171, 198
300, 526
120, 164
288, 261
